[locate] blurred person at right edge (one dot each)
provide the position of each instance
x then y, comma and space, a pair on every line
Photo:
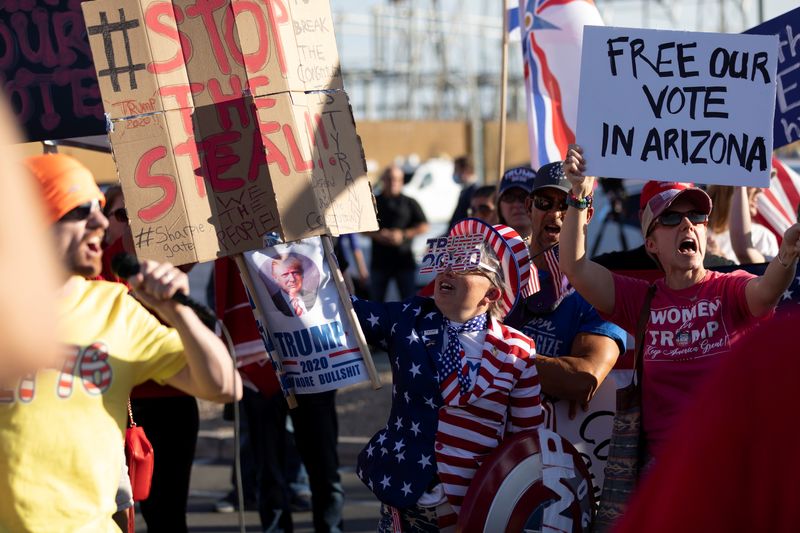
512, 195
314, 419
731, 463
401, 219
27, 317
731, 231
61, 430
696, 315
169, 417
575, 348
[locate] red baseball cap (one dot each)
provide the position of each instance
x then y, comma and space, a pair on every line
657, 196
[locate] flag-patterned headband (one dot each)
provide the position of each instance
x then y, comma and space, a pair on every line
519, 274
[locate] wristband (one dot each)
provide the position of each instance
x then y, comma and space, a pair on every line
784, 265
579, 203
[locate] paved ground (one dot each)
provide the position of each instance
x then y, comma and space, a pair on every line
362, 411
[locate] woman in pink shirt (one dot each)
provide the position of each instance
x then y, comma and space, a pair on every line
696, 315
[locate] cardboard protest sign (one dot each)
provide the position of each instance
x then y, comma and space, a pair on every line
204, 183
156, 55
294, 51
190, 196
206, 168
304, 318
787, 112
677, 106
310, 138
46, 70
138, 70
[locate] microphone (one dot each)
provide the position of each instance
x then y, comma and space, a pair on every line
125, 265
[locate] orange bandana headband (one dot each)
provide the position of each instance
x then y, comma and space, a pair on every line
65, 183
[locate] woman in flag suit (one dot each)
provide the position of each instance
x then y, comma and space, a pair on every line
462, 381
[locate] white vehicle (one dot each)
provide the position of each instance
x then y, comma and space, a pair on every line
434, 188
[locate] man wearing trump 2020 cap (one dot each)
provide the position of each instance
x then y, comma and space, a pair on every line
61, 430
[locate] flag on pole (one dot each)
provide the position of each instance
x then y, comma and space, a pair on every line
552, 35
777, 206
512, 15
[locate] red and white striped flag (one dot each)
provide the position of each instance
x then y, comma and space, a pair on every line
560, 283
777, 206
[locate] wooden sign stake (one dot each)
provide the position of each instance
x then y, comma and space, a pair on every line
338, 278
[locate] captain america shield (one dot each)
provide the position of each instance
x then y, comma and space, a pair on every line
534, 481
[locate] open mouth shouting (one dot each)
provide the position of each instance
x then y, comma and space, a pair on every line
688, 246
552, 230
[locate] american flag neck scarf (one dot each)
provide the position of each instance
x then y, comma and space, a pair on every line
452, 355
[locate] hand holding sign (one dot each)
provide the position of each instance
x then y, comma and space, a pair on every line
574, 166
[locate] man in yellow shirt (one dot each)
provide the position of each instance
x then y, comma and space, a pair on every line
61, 429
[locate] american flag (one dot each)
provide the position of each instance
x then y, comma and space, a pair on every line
790, 299
560, 283
552, 36
777, 206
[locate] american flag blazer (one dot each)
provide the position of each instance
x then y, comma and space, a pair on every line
433, 429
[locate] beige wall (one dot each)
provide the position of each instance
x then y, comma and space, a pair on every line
516, 152
101, 164
385, 140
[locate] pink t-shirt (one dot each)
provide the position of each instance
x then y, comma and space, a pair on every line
688, 330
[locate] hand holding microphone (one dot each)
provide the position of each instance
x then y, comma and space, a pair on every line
158, 283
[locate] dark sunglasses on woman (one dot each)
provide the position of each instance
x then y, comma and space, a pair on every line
673, 218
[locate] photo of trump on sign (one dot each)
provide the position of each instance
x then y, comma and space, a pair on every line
292, 280
304, 318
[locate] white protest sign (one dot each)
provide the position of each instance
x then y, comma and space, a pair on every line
589, 431
304, 317
677, 106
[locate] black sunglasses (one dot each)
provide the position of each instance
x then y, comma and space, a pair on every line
673, 218
543, 203
80, 212
120, 214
